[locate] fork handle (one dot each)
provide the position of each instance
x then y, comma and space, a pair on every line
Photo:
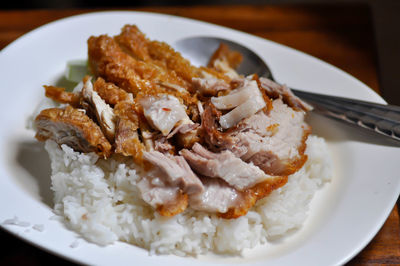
379, 118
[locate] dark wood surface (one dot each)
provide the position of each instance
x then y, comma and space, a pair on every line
338, 34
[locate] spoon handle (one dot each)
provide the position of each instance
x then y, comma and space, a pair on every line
380, 118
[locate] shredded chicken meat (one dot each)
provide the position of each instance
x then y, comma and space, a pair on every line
163, 112
102, 111
205, 138
74, 128
224, 165
244, 101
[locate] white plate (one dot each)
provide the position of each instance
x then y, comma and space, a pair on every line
344, 216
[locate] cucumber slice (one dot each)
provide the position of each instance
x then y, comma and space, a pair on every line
76, 70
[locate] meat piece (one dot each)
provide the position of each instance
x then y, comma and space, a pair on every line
210, 86
175, 171
183, 128
74, 128
200, 108
59, 94
165, 55
250, 196
149, 136
188, 139
106, 59
225, 60
174, 206
274, 142
207, 73
171, 59
174, 87
162, 145
224, 165
164, 112
115, 60
246, 101
248, 108
167, 186
132, 40
216, 139
95, 104
127, 140
275, 90
186, 133
219, 197
167, 200
111, 93
246, 89
223, 53
190, 184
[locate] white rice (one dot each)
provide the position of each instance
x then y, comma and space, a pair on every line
15, 221
38, 227
74, 244
100, 200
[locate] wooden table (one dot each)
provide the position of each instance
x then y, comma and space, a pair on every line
341, 35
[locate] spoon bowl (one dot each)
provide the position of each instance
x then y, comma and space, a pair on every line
200, 49
380, 119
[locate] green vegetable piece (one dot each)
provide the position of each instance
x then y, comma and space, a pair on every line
76, 70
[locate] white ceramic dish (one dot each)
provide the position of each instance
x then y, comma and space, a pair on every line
344, 216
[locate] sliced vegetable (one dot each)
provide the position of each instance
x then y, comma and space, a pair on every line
76, 70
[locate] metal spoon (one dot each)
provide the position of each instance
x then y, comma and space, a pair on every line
378, 118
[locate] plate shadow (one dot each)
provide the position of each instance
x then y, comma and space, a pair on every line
32, 157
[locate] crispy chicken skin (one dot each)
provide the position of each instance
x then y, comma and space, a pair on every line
111, 93
107, 60
74, 128
141, 78
59, 94
250, 196
127, 140
175, 206
135, 43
